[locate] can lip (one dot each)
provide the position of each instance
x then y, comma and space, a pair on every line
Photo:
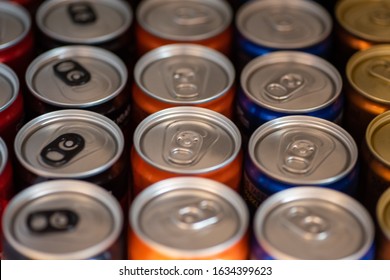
70, 52
383, 205
22, 14
295, 57
47, 6
69, 186
172, 50
188, 183
11, 76
250, 7
3, 155
45, 119
196, 112
223, 6
310, 192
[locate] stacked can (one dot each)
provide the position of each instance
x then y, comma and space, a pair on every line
383, 218
186, 141
63, 219
311, 223
188, 218
204, 22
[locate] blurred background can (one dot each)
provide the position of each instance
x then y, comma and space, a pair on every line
312, 223
186, 141
63, 219
383, 219
30, 5
188, 218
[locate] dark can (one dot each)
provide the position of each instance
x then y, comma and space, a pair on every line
30, 5
65, 220
383, 219
299, 151
312, 223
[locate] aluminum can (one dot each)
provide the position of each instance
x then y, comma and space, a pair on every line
286, 83
312, 223
204, 22
299, 151
182, 75
17, 40
30, 5
271, 25
368, 81
188, 218
383, 219
186, 141
65, 220
11, 106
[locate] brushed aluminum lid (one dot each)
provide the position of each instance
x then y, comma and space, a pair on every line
3, 155
9, 84
383, 213
377, 137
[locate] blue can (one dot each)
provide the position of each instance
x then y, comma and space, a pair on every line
312, 223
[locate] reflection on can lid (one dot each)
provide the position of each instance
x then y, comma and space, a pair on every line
369, 20
377, 137
84, 22
284, 25
9, 84
76, 76
189, 217
15, 23
3, 155
383, 213
303, 150
69, 144
184, 74
187, 20
368, 71
313, 223
62, 219
187, 140
291, 82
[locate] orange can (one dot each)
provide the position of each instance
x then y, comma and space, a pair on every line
186, 141
383, 219
182, 75
204, 22
188, 218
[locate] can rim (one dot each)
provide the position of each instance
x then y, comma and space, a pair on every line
171, 50
221, 5
69, 186
70, 52
3, 155
312, 192
383, 203
189, 183
11, 76
196, 112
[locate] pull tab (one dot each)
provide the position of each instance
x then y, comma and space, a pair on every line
81, 13
198, 216
184, 82
380, 69
59, 220
381, 17
62, 149
190, 16
185, 147
305, 223
281, 23
285, 86
71, 73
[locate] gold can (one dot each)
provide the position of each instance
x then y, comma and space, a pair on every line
383, 219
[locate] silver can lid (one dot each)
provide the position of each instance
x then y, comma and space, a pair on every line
9, 84
293, 82
284, 24
84, 22
184, 20
69, 144
184, 74
15, 24
62, 219
76, 76
303, 150
3, 155
187, 217
187, 140
313, 223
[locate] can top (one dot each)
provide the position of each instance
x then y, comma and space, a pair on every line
284, 24
69, 144
383, 213
377, 137
289, 81
184, 74
368, 72
76, 76
84, 22
189, 217
369, 20
9, 84
3, 155
313, 223
62, 219
15, 24
187, 140
303, 150
184, 20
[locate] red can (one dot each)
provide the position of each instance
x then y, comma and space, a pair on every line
30, 5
